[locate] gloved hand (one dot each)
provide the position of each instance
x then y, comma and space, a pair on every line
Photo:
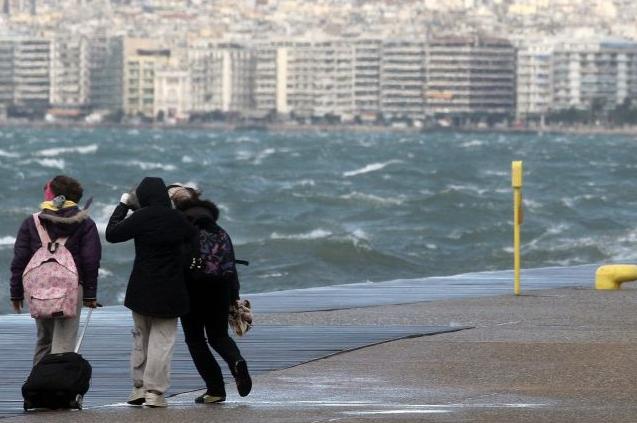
125, 199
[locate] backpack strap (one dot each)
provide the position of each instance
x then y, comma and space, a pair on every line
45, 239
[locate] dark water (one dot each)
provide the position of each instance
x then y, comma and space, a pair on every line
313, 209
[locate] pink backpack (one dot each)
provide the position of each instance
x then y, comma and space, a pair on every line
50, 279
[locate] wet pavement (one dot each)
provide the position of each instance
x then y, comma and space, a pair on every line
559, 355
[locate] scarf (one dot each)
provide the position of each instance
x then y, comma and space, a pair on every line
51, 205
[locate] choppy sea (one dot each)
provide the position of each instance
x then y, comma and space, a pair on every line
313, 209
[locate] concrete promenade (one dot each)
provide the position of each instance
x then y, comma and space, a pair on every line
553, 355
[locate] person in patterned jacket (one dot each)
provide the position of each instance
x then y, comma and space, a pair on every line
212, 290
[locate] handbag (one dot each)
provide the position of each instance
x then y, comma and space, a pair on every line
240, 316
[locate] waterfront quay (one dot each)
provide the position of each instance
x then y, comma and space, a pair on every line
560, 352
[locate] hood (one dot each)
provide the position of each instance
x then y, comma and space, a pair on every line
202, 213
152, 192
64, 222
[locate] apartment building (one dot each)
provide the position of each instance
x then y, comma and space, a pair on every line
106, 64
142, 58
534, 80
594, 74
6, 72
31, 81
172, 96
222, 77
402, 79
270, 61
470, 78
333, 77
367, 61
284, 78
70, 71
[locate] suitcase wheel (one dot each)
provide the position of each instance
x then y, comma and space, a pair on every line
27, 405
77, 402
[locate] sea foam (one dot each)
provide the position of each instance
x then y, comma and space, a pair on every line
82, 149
315, 234
373, 167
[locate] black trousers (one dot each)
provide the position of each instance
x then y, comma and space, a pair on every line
209, 318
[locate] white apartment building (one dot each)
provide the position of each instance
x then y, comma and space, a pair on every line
402, 79
599, 72
222, 77
142, 57
269, 61
70, 71
534, 80
333, 78
284, 78
367, 54
172, 97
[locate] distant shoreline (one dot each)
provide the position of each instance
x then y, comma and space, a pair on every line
295, 128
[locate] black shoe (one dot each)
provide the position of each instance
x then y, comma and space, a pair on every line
242, 377
210, 398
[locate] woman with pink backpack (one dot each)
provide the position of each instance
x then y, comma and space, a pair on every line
55, 290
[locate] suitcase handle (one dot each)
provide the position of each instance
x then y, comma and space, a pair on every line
81, 337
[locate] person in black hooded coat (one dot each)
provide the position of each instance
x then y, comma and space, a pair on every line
156, 291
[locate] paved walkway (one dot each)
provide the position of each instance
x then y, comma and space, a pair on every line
557, 355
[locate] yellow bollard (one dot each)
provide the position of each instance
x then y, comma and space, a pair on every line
516, 182
611, 276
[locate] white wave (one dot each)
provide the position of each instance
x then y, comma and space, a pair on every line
7, 241
370, 198
305, 183
256, 158
243, 155
101, 212
300, 183
495, 173
472, 143
263, 155
4, 153
53, 152
315, 234
469, 188
273, 275
246, 139
187, 159
104, 273
359, 238
531, 204
152, 166
373, 167
52, 163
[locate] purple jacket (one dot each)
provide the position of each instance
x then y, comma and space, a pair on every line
83, 244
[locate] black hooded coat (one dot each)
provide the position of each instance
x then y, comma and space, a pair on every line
156, 286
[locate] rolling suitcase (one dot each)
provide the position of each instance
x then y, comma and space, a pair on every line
59, 380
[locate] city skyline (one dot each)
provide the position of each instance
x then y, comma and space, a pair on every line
361, 74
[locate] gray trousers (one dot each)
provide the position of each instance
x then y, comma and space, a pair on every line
57, 335
153, 346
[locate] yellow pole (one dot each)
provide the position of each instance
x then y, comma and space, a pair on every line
516, 182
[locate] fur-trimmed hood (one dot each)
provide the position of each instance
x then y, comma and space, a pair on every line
64, 222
